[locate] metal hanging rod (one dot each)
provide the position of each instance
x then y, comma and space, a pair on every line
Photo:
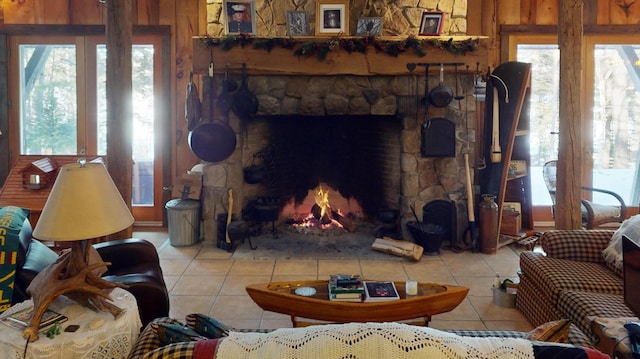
423, 64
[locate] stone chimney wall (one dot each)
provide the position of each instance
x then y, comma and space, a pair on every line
400, 17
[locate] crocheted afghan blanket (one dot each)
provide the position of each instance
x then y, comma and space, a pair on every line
370, 341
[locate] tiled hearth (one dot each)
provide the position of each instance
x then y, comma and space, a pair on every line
202, 278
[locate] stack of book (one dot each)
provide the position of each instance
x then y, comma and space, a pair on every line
380, 291
346, 287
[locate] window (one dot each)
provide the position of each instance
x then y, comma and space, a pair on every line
612, 70
62, 107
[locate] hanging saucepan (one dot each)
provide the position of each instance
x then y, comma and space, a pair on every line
212, 141
225, 100
441, 95
245, 102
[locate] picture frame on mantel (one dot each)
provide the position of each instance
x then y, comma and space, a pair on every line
297, 23
431, 24
240, 17
332, 17
369, 26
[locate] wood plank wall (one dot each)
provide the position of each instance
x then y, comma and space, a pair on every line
545, 12
187, 18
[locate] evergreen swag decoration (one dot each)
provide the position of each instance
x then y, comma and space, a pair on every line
351, 44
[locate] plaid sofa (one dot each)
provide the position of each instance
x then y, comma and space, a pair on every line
150, 346
572, 281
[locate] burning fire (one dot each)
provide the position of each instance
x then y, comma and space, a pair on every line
322, 215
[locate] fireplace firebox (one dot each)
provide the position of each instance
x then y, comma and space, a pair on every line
356, 156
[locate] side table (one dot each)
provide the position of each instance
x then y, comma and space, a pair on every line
613, 338
113, 339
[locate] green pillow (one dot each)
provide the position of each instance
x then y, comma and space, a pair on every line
207, 326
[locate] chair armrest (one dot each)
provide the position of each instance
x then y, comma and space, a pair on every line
123, 252
576, 244
589, 206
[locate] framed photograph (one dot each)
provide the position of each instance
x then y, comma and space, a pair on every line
431, 24
240, 16
332, 17
369, 26
297, 23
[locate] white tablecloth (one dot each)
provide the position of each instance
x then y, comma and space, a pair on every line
113, 340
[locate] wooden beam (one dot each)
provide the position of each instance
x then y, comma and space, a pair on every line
281, 61
571, 150
119, 94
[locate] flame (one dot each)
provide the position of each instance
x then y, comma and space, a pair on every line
322, 200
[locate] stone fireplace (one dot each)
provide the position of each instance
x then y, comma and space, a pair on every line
360, 136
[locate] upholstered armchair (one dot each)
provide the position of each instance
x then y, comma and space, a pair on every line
134, 262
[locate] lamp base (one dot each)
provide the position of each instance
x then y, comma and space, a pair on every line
71, 275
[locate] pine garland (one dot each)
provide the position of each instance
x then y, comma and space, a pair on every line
320, 49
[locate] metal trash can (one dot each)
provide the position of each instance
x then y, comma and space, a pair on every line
183, 217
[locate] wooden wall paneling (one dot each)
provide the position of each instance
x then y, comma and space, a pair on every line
528, 10
474, 23
87, 12
603, 12
4, 112
490, 25
590, 12
19, 12
616, 14
508, 12
623, 13
202, 10
147, 12
547, 13
187, 18
167, 12
571, 150
52, 12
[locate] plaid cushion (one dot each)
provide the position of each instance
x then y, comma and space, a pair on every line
148, 339
182, 350
553, 275
489, 333
577, 244
533, 304
578, 306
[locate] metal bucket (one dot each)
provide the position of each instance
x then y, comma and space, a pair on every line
504, 298
183, 217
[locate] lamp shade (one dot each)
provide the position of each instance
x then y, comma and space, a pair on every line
84, 203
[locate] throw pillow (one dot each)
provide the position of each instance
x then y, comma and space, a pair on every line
207, 326
174, 333
556, 331
613, 253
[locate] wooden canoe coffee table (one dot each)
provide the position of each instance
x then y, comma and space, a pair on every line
280, 297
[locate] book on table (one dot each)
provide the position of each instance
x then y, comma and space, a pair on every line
345, 287
21, 319
380, 291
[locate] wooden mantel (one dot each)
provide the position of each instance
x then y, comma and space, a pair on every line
283, 62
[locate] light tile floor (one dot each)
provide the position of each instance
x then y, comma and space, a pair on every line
205, 279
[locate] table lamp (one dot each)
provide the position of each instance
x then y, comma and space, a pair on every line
84, 203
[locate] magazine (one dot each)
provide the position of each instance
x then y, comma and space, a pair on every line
380, 291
